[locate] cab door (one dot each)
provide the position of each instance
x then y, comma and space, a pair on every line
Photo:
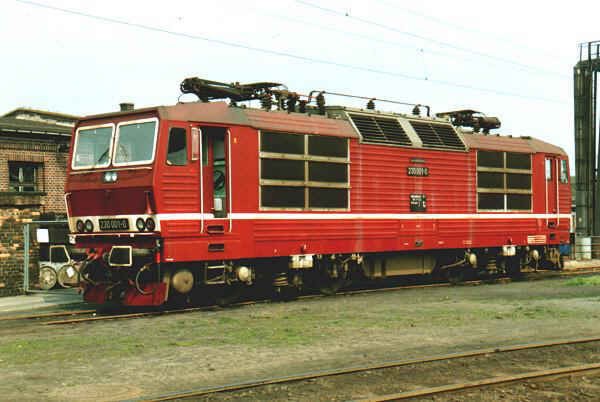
182, 170
216, 184
551, 176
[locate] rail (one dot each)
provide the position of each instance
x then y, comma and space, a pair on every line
483, 383
499, 280
195, 393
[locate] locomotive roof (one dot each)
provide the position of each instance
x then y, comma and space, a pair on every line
336, 124
510, 144
222, 113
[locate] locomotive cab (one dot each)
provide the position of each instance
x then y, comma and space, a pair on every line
129, 173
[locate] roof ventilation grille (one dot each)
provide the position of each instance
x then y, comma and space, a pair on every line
437, 135
380, 130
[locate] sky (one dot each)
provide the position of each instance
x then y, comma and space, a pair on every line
511, 59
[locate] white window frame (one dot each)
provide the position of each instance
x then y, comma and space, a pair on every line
505, 191
110, 146
116, 141
305, 184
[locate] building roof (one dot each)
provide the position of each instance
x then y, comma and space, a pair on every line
10, 125
31, 122
42, 114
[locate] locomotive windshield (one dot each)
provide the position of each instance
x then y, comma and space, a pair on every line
134, 144
92, 147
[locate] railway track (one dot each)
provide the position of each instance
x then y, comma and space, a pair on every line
96, 316
47, 315
248, 303
230, 391
535, 375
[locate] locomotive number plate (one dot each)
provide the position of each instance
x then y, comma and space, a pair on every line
417, 171
114, 224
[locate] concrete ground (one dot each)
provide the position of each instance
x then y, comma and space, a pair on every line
39, 300
581, 264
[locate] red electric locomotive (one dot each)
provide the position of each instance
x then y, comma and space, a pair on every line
209, 196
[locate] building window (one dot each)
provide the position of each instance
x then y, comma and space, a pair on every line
23, 176
303, 172
503, 181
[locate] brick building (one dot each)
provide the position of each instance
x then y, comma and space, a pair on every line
34, 149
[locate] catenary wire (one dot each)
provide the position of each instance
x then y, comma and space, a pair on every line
427, 39
421, 50
289, 55
461, 27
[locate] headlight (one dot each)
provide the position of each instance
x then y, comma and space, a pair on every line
110, 177
140, 224
80, 226
150, 224
89, 226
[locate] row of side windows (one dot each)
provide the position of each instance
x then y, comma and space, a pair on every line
503, 181
303, 172
312, 172
296, 171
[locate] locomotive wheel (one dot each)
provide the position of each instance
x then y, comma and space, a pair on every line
287, 286
552, 259
228, 294
331, 278
331, 287
176, 301
455, 275
286, 293
513, 267
48, 277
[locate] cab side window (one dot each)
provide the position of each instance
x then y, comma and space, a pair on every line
564, 172
177, 150
548, 169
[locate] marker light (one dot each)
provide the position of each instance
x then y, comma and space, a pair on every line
140, 224
150, 224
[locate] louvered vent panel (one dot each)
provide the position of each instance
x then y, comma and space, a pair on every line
367, 127
427, 134
380, 130
437, 135
448, 136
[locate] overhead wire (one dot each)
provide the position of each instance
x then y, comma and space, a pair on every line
460, 27
468, 50
285, 54
420, 50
